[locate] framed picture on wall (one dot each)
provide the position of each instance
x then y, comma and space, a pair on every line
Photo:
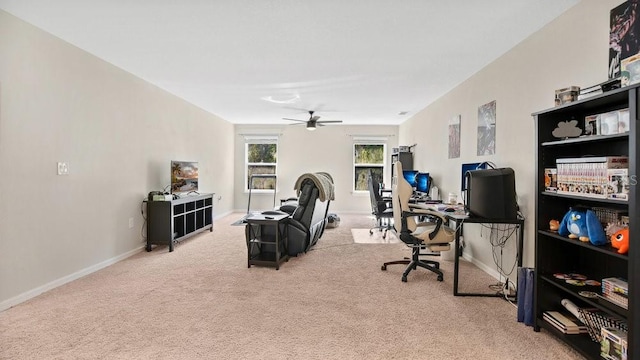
624, 35
487, 129
454, 137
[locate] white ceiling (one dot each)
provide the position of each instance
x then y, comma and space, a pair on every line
257, 61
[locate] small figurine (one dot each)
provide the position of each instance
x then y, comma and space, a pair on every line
583, 225
620, 240
554, 225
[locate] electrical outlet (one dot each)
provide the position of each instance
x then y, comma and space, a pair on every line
130, 223
63, 168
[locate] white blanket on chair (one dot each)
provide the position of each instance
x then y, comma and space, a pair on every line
322, 181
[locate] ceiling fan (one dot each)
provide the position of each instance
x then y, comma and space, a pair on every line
313, 121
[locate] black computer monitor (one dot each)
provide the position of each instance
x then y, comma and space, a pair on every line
423, 182
491, 193
410, 176
468, 167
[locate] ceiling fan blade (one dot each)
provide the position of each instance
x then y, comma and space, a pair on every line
328, 121
314, 118
299, 123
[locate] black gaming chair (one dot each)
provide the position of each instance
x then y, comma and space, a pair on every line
380, 207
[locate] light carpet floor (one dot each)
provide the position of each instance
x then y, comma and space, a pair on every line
202, 302
362, 236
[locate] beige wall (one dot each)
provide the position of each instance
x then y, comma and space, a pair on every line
572, 50
300, 151
118, 134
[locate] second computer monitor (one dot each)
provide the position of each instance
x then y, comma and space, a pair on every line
469, 167
423, 182
410, 176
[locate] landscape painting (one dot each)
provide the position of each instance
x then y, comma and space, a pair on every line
184, 176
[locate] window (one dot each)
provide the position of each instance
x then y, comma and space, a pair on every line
368, 156
261, 157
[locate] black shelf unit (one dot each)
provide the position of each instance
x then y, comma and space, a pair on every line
405, 157
558, 254
169, 222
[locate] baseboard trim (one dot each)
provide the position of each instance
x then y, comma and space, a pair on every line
492, 272
220, 216
9, 303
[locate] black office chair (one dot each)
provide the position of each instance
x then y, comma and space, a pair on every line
430, 234
379, 208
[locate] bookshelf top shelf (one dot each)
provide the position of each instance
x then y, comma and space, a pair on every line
614, 96
584, 139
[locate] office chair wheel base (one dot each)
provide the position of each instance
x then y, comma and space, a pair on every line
440, 278
404, 278
384, 268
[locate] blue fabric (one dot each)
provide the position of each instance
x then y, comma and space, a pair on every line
526, 280
522, 284
529, 318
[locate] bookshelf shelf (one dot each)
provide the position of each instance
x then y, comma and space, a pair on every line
606, 249
585, 139
587, 199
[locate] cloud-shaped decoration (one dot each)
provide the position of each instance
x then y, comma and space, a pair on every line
567, 129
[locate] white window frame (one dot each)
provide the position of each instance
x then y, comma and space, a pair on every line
259, 139
367, 141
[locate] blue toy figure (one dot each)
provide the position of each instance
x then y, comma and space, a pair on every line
584, 225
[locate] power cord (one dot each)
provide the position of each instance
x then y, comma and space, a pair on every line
489, 164
499, 237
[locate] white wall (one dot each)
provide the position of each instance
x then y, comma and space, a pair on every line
571, 50
118, 134
328, 148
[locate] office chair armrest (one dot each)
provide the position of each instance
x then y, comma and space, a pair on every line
424, 212
437, 218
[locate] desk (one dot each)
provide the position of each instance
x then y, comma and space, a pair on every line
462, 219
260, 239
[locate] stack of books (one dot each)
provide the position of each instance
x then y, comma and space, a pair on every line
603, 87
616, 290
565, 323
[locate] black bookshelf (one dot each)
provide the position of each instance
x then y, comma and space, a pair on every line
557, 254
